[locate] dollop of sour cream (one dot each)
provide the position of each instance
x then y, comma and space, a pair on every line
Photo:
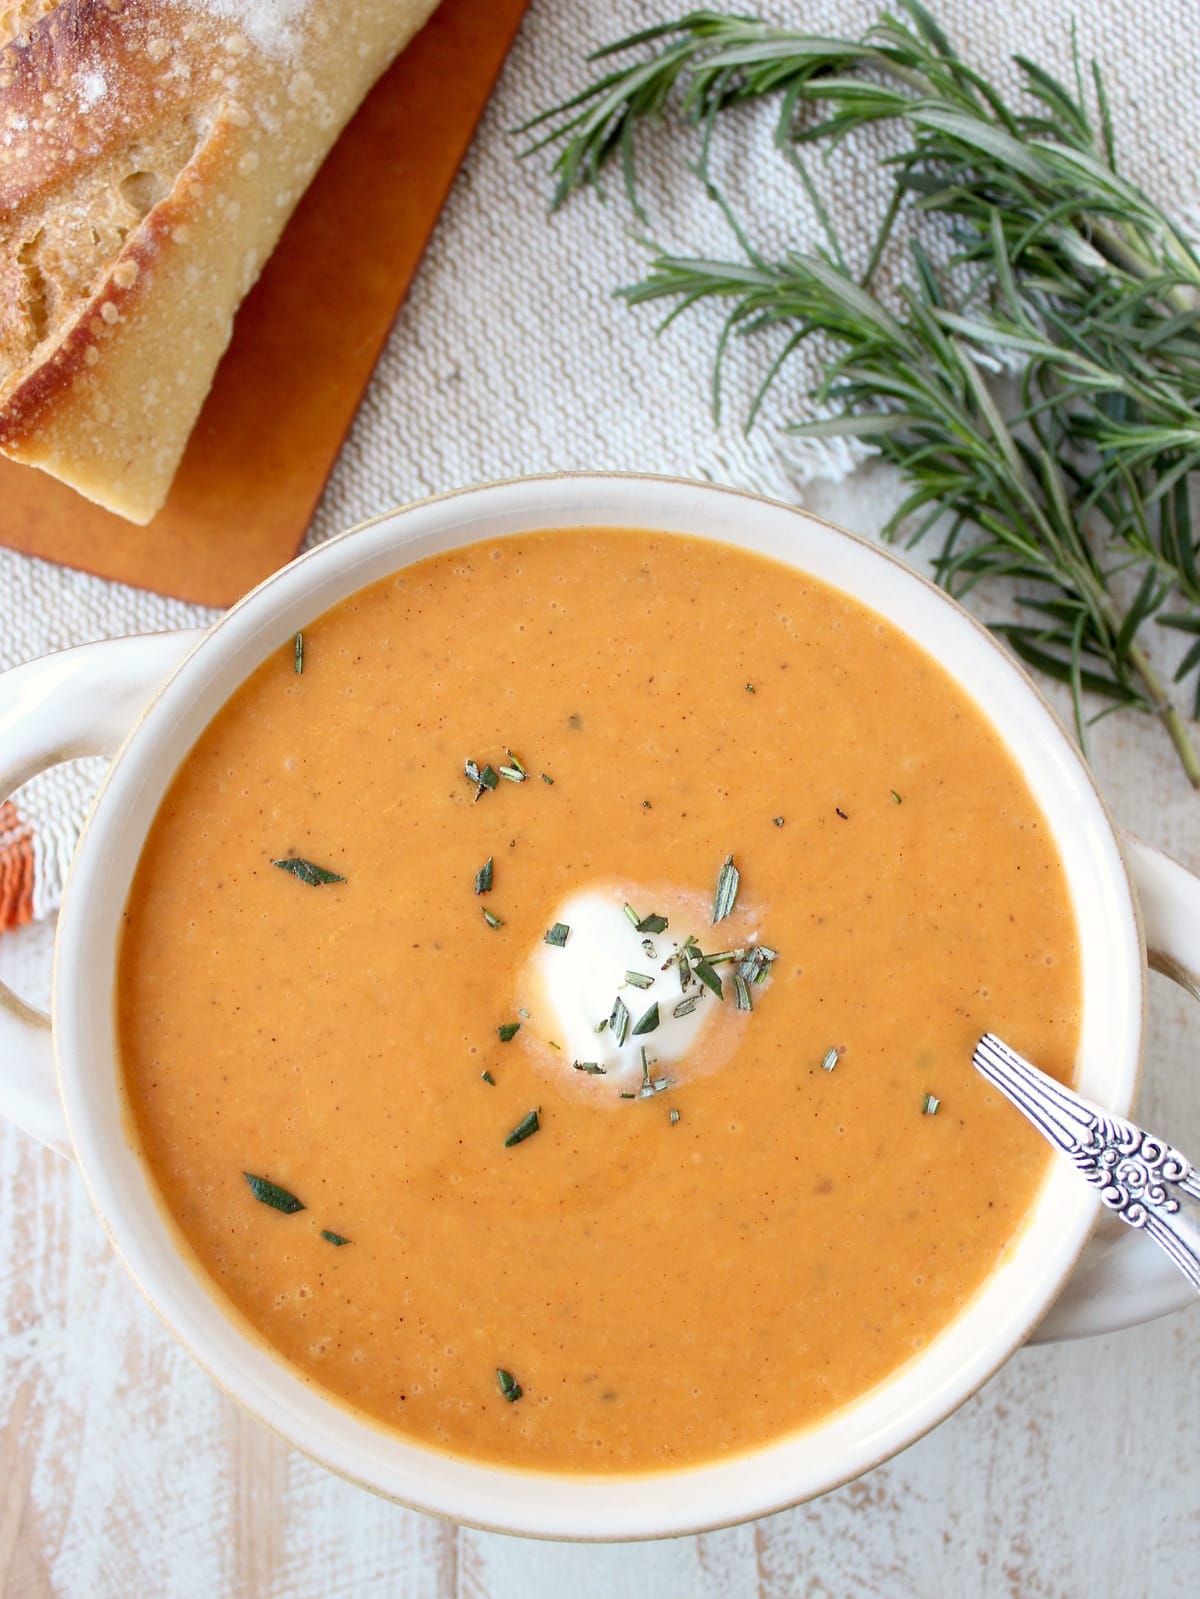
574, 986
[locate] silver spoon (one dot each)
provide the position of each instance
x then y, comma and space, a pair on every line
1138, 1175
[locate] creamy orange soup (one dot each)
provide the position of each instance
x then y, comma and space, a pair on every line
767, 1228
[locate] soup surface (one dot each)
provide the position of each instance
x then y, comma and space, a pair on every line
663, 1272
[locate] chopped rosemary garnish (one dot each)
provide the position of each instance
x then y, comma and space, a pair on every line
639, 980
269, 1193
896, 800
552, 1044
601, 1024
299, 663
514, 774
482, 777
525, 1128
741, 992
673, 1116
645, 1070
306, 872
830, 1061
558, 935
840, 812
710, 978
686, 1006
932, 1105
631, 914
756, 963
508, 1031
727, 888
626, 1096
546, 778
488, 1078
509, 1386
591, 1067
618, 1021
336, 1239
750, 689
778, 821
483, 877
516, 765
648, 949
650, 924
490, 919
647, 1022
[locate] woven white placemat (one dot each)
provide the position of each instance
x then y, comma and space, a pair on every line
511, 355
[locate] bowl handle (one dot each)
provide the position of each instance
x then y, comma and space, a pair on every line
1123, 1277
83, 701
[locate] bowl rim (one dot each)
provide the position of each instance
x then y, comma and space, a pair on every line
597, 1508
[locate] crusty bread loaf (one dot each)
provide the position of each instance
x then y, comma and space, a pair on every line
151, 152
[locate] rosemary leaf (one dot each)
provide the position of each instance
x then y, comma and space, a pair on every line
525, 1128
306, 872
741, 992
509, 1386
558, 935
483, 877
709, 977
932, 1105
336, 1239
508, 1031
647, 1022
299, 654
269, 1193
491, 918
591, 1067
618, 1021
727, 888
830, 1061
639, 980
650, 924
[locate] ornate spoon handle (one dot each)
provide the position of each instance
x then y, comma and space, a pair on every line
1139, 1176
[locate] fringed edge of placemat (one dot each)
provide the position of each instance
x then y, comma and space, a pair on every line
16, 868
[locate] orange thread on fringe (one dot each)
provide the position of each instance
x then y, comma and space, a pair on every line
16, 868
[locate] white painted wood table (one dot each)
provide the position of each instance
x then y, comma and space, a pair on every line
124, 1471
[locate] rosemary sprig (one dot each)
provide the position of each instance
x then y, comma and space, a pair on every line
1076, 489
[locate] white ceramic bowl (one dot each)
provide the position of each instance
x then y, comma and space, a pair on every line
87, 700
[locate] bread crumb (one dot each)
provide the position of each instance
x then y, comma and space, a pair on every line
110, 313
125, 274
91, 355
157, 48
248, 162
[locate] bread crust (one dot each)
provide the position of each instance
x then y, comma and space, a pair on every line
151, 152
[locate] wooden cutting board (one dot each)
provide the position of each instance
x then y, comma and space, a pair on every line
280, 405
